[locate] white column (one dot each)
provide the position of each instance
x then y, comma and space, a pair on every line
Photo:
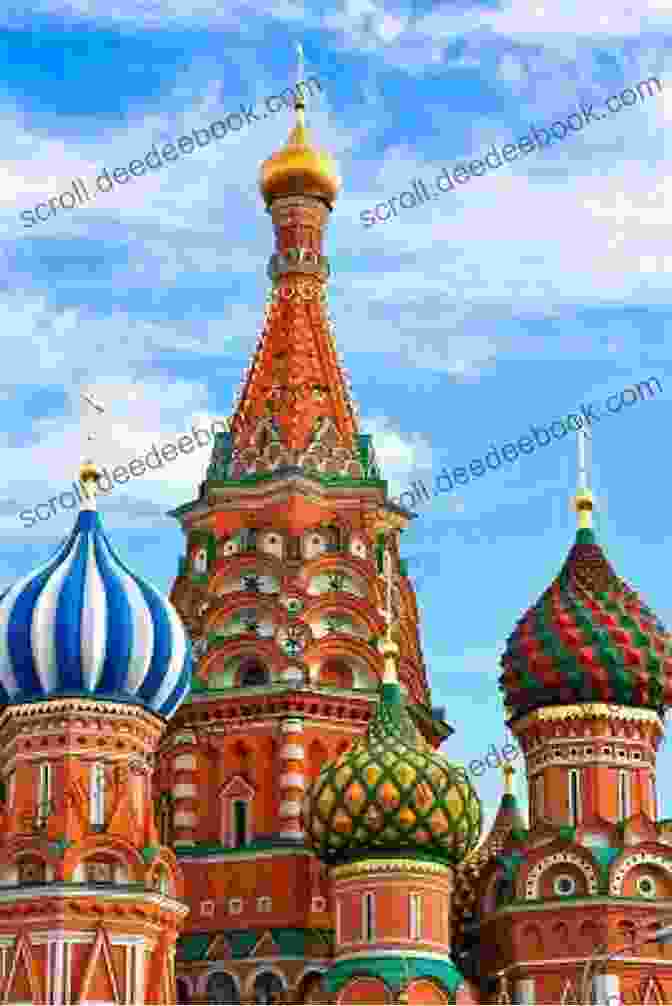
607, 990
139, 971
523, 992
58, 972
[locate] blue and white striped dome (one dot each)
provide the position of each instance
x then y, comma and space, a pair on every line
84, 624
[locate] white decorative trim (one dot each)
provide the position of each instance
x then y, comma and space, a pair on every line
291, 726
293, 780
50, 891
293, 752
184, 818
185, 763
534, 876
184, 789
637, 859
289, 808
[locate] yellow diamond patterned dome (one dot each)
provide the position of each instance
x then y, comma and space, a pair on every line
392, 793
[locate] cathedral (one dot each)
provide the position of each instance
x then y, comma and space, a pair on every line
236, 795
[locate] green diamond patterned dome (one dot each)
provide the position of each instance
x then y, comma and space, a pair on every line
391, 793
589, 638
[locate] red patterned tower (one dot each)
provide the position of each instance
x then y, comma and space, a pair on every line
282, 595
561, 906
92, 662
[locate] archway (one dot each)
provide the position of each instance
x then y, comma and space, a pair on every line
221, 988
268, 988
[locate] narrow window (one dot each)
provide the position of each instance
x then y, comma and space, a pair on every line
368, 921
652, 792
574, 797
11, 788
415, 906
623, 795
239, 823
97, 795
44, 794
338, 922
539, 798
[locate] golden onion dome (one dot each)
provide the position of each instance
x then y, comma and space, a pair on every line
299, 167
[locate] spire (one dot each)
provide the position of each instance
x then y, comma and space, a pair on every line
388, 647
89, 474
299, 100
294, 408
508, 771
583, 500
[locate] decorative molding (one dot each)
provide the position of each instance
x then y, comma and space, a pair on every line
587, 710
388, 865
588, 871
638, 859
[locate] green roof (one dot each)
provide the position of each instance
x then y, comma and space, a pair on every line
242, 941
290, 942
395, 971
193, 947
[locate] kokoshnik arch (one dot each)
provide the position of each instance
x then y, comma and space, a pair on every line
274, 822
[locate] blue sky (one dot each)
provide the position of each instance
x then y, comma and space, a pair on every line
506, 303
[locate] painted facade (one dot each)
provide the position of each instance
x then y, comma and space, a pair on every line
321, 861
274, 822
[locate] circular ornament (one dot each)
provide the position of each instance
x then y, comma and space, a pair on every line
564, 885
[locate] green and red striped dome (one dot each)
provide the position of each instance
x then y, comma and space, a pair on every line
589, 638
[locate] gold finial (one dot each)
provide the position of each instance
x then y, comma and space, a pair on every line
88, 477
509, 772
583, 501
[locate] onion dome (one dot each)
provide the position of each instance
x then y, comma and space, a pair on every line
391, 793
83, 624
299, 167
589, 638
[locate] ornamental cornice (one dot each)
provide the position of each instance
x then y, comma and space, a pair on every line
237, 708
84, 900
583, 711
387, 866
72, 706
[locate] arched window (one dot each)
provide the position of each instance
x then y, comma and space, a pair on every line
268, 988
182, 992
97, 795
623, 794
252, 672
574, 797
240, 812
368, 918
164, 818
221, 988
43, 794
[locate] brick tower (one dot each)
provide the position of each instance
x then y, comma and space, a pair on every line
561, 904
92, 662
281, 592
